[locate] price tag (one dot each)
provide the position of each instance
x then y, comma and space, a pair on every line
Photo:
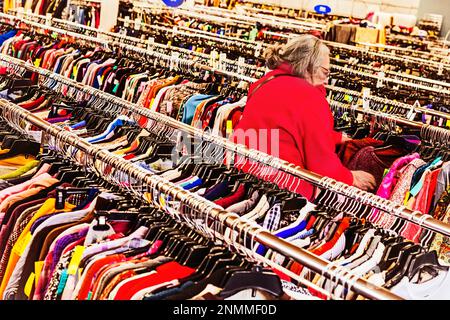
150, 43
222, 58
412, 111
258, 49
174, 60
126, 23
366, 100
441, 69
241, 62
36, 135
214, 56
48, 19
381, 76
137, 24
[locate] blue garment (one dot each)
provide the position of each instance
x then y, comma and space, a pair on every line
168, 292
112, 126
7, 36
193, 184
191, 105
295, 228
96, 84
416, 186
185, 183
78, 125
303, 235
145, 166
218, 191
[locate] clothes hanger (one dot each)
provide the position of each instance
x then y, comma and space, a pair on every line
256, 279
406, 254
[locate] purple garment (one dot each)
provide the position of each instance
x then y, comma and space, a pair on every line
41, 220
387, 185
62, 243
57, 120
216, 192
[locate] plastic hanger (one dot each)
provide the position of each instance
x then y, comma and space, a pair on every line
256, 279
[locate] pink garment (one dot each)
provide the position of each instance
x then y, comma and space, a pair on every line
44, 169
22, 187
389, 181
410, 230
402, 187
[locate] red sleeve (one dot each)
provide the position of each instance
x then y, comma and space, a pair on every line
337, 137
317, 136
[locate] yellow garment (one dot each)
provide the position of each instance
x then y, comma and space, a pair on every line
16, 161
382, 36
20, 171
48, 207
8, 4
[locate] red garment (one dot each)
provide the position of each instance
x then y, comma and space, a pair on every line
232, 199
350, 148
311, 221
432, 189
33, 104
94, 270
345, 223
166, 272
129, 156
303, 117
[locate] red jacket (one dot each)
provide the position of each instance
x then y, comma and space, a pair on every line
306, 135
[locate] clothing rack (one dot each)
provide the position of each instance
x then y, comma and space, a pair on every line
420, 80
378, 99
231, 17
384, 79
118, 43
421, 110
273, 22
264, 12
388, 55
196, 202
425, 54
256, 46
18, 20
229, 14
322, 182
428, 132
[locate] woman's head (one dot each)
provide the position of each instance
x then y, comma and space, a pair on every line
308, 56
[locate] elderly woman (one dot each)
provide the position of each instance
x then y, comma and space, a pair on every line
289, 103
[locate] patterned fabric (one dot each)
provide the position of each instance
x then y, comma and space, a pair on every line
402, 187
52, 289
175, 96
272, 219
441, 243
20, 225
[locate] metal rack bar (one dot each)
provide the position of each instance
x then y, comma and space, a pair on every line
323, 182
262, 236
400, 82
421, 110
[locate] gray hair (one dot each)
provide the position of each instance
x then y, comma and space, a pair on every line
303, 53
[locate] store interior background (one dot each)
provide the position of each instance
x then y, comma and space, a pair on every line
403, 9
